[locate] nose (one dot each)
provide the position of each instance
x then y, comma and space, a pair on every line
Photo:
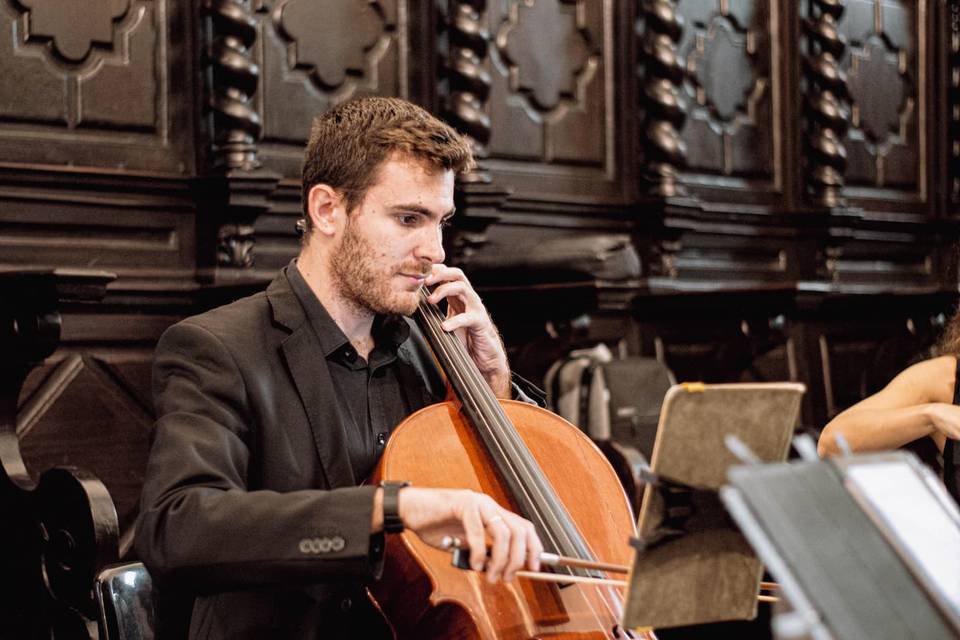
430, 246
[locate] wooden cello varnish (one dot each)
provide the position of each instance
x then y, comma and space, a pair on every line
422, 594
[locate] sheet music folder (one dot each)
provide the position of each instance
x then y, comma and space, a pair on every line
709, 573
863, 547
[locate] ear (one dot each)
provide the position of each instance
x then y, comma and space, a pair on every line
325, 206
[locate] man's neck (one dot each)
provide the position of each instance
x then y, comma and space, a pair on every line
355, 321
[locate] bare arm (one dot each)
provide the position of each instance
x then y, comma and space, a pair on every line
917, 403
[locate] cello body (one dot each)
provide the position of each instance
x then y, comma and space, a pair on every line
424, 596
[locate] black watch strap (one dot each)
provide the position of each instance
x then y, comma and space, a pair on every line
391, 505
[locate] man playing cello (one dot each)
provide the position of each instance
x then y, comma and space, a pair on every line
274, 409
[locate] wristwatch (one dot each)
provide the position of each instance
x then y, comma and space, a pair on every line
391, 505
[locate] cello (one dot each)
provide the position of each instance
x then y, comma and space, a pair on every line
530, 461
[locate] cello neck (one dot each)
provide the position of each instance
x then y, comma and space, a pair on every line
532, 491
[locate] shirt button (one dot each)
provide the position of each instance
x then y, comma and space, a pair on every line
381, 439
346, 604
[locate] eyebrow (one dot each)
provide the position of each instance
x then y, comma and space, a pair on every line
423, 210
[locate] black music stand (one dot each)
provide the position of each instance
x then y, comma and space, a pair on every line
692, 564
863, 547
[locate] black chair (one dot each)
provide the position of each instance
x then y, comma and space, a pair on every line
125, 602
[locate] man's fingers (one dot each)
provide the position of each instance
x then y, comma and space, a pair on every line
518, 548
443, 273
534, 547
500, 535
465, 320
455, 292
473, 530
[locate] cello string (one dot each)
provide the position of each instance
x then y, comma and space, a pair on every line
452, 349
478, 392
528, 471
507, 436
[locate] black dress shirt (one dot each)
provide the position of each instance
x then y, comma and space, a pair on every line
375, 394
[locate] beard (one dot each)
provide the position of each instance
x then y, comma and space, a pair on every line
364, 284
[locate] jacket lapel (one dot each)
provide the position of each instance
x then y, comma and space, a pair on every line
304, 358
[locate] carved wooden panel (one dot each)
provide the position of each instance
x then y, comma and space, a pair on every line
714, 250
551, 99
94, 412
949, 128
734, 76
888, 64
94, 84
316, 54
134, 228
906, 257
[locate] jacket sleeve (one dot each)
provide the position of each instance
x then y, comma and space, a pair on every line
199, 524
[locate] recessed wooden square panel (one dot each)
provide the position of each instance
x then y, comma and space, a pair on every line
887, 63
551, 101
311, 61
733, 81
96, 84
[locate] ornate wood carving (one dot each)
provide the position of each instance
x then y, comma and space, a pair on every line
664, 106
311, 62
234, 79
733, 79
235, 246
60, 526
827, 113
886, 68
464, 106
71, 31
468, 79
95, 78
552, 99
952, 104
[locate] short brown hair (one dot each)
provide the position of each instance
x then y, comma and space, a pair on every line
349, 143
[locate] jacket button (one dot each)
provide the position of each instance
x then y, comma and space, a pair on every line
337, 543
324, 544
346, 604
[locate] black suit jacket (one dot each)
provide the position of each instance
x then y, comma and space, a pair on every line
248, 431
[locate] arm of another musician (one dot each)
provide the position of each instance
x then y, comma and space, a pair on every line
917, 403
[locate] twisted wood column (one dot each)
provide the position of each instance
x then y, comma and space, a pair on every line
233, 81
826, 110
468, 80
664, 107
235, 191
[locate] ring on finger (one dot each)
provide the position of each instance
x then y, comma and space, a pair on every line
494, 519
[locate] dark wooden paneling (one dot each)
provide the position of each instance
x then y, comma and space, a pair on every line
89, 411
947, 126
553, 99
888, 63
311, 62
98, 84
137, 226
734, 85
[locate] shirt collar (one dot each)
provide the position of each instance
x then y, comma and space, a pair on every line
389, 331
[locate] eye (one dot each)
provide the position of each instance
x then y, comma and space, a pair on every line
445, 223
408, 219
